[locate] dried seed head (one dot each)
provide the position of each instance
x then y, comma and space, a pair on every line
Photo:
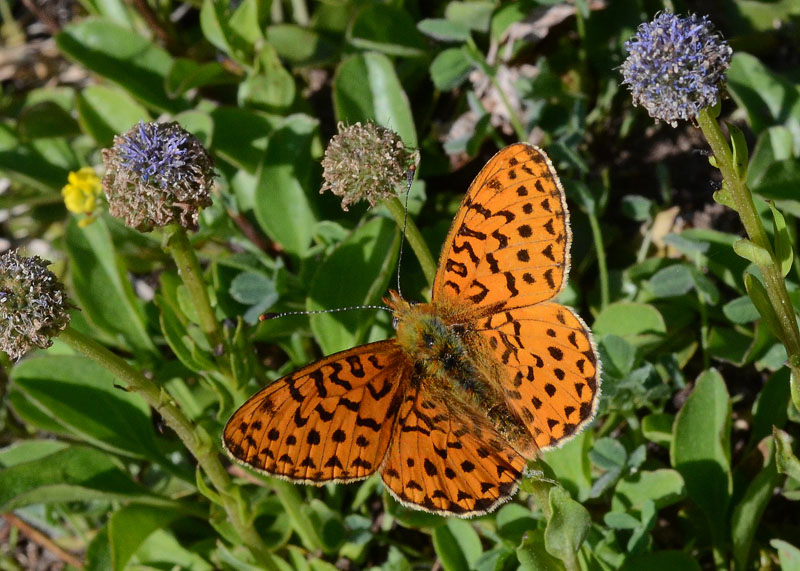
33, 304
365, 162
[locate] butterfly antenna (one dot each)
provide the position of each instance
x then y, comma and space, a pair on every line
409, 181
266, 316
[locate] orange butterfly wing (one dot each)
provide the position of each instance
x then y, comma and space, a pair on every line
444, 461
507, 254
551, 368
509, 243
330, 421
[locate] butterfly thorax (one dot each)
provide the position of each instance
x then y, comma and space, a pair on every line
439, 342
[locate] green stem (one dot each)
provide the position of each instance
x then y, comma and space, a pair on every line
292, 502
196, 440
771, 273
478, 57
597, 237
414, 238
185, 258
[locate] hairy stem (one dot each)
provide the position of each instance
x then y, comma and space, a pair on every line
771, 273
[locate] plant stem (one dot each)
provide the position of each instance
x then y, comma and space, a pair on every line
597, 237
414, 237
478, 57
185, 257
292, 502
196, 440
771, 273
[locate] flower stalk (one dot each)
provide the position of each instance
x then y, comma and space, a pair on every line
774, 283
196, 440
178, 245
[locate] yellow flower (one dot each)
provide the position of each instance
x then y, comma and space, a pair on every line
81, 193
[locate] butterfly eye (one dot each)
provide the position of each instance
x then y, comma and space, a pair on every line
428, 340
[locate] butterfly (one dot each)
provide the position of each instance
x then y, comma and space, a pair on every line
478, 381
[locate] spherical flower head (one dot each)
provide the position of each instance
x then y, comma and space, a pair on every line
365, 162
156, 174
33, 304
676, 66
82, 193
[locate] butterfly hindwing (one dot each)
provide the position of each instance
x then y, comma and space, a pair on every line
509, 243
446, 461
329, 421
552, 372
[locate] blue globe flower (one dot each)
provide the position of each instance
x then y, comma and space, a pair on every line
676, 66
156, 174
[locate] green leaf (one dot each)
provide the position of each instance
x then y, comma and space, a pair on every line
568, 525
768, 98
270, 87
533, 555
475, 14
28, 451
46, 119
740, 310
752, 252
760, 298
444, 30
637, 208
450, 68
457, 544
284, 179
186, 74
124, 58
769, 410
747, 514
664, 487
256, 290
233, 31
384, 28
302, 47
783, 241
240, 136
365, 88
786, 462
129, 527
618, 356
774, 146
513, 521
328, 524
740, 151
25, 164
102, 289
637, 323
657, 427
74, 474
672, 281
175, 326
364, 263
701, 449
108, 111
788, 555
730, 344
72, 389
571, 466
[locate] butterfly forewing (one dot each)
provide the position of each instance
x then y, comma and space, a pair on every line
509, 243
329, 421
446, 461
551, 368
